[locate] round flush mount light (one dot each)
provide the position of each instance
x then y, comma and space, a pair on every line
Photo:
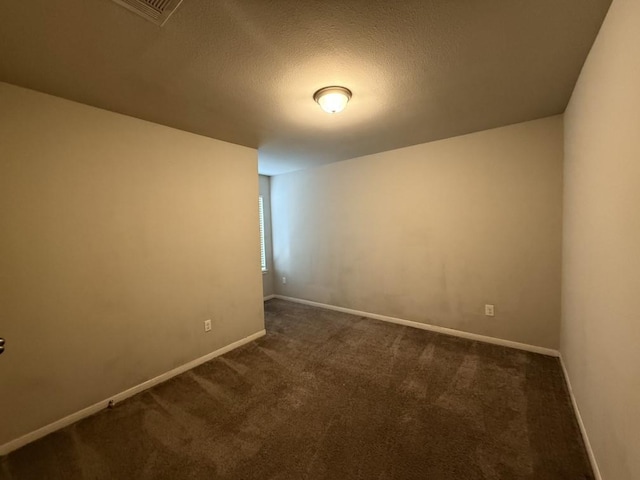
332, 99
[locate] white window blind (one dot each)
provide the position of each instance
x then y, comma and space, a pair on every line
263, 255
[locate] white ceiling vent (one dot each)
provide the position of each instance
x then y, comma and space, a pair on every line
156, 11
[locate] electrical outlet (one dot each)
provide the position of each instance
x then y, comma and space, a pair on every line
489, 310
207, 325
284, 280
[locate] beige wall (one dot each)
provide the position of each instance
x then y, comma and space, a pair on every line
119, 238
267, 277
432, 233
601, 268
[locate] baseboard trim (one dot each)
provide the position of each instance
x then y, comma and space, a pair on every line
583, 430
269, 297
96, 407
432, 328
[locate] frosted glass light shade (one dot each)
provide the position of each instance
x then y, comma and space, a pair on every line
332, 99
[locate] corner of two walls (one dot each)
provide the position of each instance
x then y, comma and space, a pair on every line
432, 233
119, 238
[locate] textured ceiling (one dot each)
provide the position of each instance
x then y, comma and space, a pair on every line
245, 71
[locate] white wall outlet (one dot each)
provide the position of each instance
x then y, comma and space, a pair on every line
207, 325
489, 310
284, 280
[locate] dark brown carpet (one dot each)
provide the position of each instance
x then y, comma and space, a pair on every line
327, 395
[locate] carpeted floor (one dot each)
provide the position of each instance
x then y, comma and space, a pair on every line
326, 395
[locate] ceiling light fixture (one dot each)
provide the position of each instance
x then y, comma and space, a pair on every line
332, 99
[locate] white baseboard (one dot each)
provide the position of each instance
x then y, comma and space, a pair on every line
96, 407
432, 328
269, 297
583, 430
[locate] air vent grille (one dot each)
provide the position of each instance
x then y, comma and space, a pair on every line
156, 11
